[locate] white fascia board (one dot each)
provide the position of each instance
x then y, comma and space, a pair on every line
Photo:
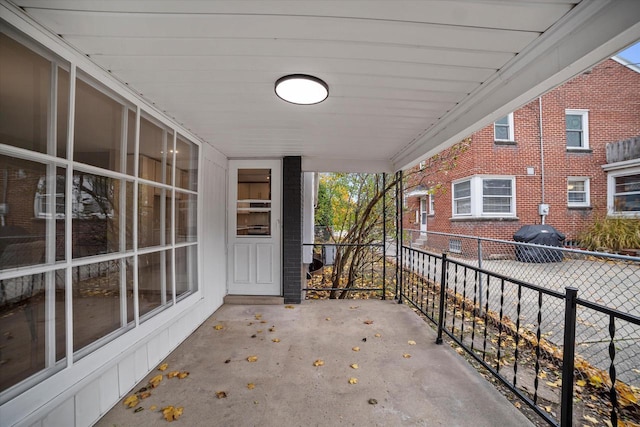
17, 18
591, 32
323, 164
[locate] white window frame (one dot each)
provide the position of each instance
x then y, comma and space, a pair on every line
422, 165
510, 130
587, 191
585, 127
477, 196
454, 200
432, 204
611, 190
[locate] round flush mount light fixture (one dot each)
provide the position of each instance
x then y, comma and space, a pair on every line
301, 89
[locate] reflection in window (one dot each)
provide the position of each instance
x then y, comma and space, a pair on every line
156, 152
97, 302
626, 198
31, 339
152, 289
186, 269
186, 164
186, 215
154, 215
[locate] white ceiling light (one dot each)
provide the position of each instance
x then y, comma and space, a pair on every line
301, 89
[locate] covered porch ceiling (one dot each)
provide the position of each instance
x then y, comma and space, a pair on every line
406, 78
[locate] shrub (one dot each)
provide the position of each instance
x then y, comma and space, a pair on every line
612, 234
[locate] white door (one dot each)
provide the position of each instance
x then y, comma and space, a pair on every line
423, 215
254, 227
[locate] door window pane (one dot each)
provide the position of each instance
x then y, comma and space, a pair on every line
254, 202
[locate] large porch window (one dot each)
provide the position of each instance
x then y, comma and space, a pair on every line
98, 233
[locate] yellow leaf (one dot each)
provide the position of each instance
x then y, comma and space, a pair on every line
406, 355
289, 306
163, 367
258, 316
517, 405
581, 383
354, 366
356, 349
328, 318
547, 408
170, 413
554, 385
144, 395
318, 362
542, 375
626, 396
353, 380
153, 407
596, 380
173, 374
276, 340
353, 307
183, 375
411, 342
131, 401
377, 335
218, 327
252, 358
251, 386
155, 381
590, 419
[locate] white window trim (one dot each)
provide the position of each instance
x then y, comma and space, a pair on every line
585, 128
422, 165
587, 190
431, 205
611, 189
511, 136
477, 196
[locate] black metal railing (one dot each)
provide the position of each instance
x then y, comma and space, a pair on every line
340, 270
511, 328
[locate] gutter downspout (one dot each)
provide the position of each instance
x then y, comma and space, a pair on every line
541, 158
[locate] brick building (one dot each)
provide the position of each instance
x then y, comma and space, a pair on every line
511, 174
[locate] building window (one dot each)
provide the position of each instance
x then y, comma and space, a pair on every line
503, 128
484, 196
462, 198
578, 192
432, 205
577, 129
423, 165
625, 197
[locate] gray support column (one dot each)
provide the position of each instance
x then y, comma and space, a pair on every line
293, 274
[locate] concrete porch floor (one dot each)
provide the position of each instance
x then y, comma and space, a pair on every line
434, 386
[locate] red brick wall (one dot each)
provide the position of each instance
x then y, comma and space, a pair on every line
611, 93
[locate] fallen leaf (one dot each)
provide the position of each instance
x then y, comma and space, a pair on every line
406, 355
356, 349
221, 394
163, 367
258, 316
581, 383
145, 395
170, 413
139, 409
155, 381
547, 408
596, 380
328, 318
377, 335
459, 350
542, 375
251, 386
590, 419
272, 329
153, 407
227, 361
131, 401
353, 307
183, 375
517, 405
218, 327
252, 358
353, 380
276, 340
368, 322
554, 384
173, 374
318, 362
411, 342
289, 306
259, 331
373, 402
354, 366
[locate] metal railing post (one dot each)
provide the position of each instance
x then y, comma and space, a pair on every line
443, 278
566, 402
384, 236
400, 234
480, 277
